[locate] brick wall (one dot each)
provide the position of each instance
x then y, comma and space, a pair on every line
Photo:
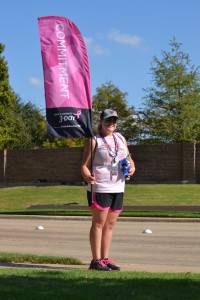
154, 163
51, 165
188, 162
157, 163
197, 163
1, 166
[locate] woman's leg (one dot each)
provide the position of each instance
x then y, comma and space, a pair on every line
107, 233
98, 221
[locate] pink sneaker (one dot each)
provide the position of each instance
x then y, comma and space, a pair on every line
109, 263
98, 265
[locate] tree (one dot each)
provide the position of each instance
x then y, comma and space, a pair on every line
21, 125
109, 96
64, 143
33, 121
7, 96
7, 100
172, 106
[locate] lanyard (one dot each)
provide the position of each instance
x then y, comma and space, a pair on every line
112, 153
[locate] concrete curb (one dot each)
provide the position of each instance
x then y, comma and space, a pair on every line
88, 218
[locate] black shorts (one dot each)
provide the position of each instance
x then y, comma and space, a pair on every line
106, 201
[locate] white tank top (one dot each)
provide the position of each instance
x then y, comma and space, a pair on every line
105, 181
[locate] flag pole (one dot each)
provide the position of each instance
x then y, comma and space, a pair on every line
91, 166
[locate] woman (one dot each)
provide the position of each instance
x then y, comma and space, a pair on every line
106, 185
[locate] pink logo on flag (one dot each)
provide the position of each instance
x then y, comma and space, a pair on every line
77, 114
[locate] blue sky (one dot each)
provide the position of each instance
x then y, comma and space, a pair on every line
121, 36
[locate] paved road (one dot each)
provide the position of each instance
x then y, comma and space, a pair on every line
171, 247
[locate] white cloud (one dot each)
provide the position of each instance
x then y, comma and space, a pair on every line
35, 81
94, 48
88, 41
124, 38
100, 50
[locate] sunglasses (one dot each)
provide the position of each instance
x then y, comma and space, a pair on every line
111, 120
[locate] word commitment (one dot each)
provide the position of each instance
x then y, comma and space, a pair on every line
62, 61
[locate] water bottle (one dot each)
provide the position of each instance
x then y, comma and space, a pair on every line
125, 167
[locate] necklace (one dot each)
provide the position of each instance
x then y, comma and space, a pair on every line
111, 152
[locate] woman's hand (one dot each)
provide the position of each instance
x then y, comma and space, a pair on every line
132, 170
86, 161
90, 179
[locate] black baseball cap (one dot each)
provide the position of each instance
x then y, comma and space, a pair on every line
108, 113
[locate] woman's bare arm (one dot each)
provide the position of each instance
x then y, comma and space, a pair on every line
86, 161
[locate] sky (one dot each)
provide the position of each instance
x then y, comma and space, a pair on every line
121, 37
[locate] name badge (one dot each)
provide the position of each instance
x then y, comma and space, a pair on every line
114, 167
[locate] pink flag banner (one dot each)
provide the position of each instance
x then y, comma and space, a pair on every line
66, 78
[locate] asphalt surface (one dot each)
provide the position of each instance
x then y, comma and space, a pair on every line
173, 245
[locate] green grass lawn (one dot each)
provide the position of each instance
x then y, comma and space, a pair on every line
37, 259
16, 198
162, 194
23, 284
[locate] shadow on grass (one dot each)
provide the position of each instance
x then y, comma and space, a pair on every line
39, 266
36, 284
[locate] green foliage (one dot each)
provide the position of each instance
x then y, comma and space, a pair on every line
33, 121
109, 96
12, 130
7, 96
22, 125
64, 143
172, 106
